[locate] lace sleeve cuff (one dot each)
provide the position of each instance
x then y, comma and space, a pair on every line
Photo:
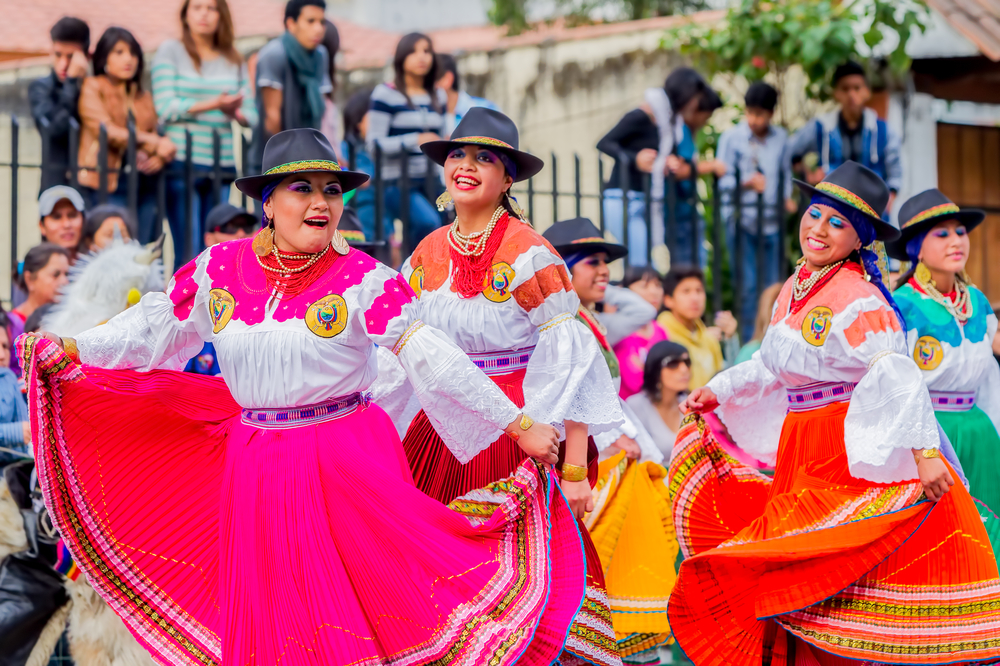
465, 407
890, 413
568, 379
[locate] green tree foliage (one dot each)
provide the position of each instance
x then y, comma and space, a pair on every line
766, 39
514, 13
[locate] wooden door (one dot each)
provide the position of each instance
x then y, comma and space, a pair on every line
969, 175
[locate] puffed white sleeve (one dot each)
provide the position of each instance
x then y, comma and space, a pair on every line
752, 404
466, 408
890, 411
988, 391
567, 378
393, 392
163, 330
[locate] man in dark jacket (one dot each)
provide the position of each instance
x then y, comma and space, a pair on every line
54, 98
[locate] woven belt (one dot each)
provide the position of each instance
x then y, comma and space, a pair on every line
502, 362
953, 401
820, 394
293, 417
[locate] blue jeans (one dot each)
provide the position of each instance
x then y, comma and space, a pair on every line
746, 278
150, 226
686, 224
638, 252
203, 199
424, 216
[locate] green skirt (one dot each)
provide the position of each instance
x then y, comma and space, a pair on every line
978, 447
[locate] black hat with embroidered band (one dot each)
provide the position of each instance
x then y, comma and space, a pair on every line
298, 151
859, 189
921, 212
489, 129
579, 238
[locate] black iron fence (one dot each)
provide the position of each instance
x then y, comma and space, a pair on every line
709, 210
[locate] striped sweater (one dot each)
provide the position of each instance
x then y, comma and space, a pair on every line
178, 85
394, 126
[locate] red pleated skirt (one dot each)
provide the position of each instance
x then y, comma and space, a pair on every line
820, 567
438, 473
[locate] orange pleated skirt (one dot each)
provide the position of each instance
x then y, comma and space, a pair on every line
820, 567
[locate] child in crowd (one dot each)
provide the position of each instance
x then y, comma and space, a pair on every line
42, 274
15, 429
632, 351
684, 297
102, 222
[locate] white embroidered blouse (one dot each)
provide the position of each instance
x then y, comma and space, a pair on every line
846, 332
528, 302
307, 349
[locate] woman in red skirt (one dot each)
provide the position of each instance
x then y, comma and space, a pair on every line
863, 549
500, 291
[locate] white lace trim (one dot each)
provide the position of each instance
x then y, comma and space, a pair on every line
568, 379
890, 413
465, 407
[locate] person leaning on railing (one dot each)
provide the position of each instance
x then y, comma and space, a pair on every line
200, 86
108, 98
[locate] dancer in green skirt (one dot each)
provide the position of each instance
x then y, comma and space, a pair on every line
950, 333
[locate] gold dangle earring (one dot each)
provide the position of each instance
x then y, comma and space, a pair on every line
512, 202
340, 244
263, 242
444, 201
923, 274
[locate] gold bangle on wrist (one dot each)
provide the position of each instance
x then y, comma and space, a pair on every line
573, 472
526, 422
69, 347
926, 454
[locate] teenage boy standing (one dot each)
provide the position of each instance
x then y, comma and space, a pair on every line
852, 132
54, 98
757, 151
293, 76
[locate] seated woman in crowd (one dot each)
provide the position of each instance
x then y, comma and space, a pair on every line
42, 274
15, 429
665, 378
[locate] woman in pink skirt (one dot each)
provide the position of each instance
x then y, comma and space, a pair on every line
269, 517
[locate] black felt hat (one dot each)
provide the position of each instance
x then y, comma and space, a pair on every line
580, 235
922, 211
860, 188
298, 151
490, 129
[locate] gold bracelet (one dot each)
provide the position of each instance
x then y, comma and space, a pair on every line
573, 472
926, 454
526, 422
69, 347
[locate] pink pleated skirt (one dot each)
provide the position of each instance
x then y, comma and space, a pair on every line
302, 541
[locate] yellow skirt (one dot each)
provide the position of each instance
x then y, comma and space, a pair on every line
633, 531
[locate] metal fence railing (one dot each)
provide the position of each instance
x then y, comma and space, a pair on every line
708, 210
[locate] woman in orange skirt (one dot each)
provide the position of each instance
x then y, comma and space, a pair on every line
863, 549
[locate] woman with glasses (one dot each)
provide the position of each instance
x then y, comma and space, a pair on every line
665, 379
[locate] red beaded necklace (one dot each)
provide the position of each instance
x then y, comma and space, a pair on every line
797, 304
468, 276
290, 284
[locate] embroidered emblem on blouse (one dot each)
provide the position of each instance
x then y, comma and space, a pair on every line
928, 353
417, 280
498, 282
816, 325
220, 308
327, 317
